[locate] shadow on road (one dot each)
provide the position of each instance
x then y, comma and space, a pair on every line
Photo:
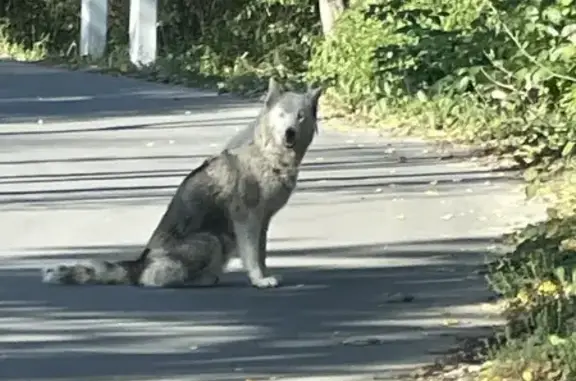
31, 92
358, 171
233, 331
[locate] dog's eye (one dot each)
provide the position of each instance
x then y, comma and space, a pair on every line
301, 115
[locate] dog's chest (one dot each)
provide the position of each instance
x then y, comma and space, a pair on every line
276, 186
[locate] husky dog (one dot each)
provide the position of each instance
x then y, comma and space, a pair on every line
222, 207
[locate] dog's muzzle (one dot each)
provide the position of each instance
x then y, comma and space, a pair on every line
290, 137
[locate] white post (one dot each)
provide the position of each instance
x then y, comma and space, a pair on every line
93, 27
143, 19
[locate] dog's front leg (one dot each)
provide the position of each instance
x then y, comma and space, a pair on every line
263, 241
248, 232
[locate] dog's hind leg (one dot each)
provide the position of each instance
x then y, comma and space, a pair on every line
164, 272
198, 261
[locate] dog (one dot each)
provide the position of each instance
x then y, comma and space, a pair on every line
222, 208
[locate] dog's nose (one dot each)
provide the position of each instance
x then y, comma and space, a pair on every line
290, 135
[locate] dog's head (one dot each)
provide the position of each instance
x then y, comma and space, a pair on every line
290, 119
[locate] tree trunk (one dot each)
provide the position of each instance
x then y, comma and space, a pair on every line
329, 12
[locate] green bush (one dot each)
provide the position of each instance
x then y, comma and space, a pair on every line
539, 275
539, 281
391, 49
249, 38
498, 73
345, 60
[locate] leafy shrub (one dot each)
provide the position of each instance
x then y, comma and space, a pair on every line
345, 59
499, 73
536, 359
245, 38
391, 48
56, 22
539, 278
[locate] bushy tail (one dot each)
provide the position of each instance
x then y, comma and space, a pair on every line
96, 272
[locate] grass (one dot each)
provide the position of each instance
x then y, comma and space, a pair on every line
538, 282
16, 52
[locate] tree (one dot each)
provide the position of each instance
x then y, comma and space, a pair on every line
329, 12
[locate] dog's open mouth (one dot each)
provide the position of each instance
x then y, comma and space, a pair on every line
290, 137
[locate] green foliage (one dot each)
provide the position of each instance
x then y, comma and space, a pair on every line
240, 41
55, 22
344, 61
498, 73
536, 359
539, 280
540, 272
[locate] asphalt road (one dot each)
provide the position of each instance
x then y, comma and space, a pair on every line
88, 164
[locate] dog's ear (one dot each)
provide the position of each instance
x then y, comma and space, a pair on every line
274, 92
313, 96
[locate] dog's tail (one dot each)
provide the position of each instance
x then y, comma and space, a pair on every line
97, 272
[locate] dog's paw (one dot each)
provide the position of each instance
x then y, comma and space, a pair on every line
266, 282
54, 274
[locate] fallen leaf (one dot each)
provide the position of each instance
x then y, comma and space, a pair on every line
451, 322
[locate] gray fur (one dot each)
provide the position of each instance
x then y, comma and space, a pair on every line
246, 136
221, 208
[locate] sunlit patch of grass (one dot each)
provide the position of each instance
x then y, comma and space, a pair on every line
18, 52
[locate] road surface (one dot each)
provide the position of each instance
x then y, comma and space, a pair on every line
89, 162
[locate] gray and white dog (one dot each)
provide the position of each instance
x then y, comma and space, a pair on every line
222, 207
